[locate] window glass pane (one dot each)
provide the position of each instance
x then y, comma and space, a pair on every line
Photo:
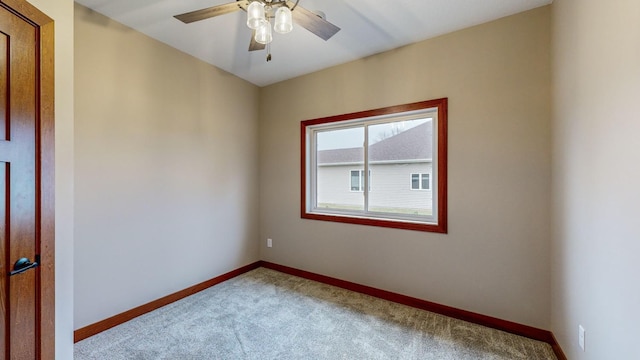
415, 181
355, 180
361, 180
425, 181
340, 156
399, 150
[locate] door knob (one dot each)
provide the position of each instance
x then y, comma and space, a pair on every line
24, 264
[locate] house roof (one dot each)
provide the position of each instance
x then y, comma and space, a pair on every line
412, 144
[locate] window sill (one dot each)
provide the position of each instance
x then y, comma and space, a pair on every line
387, 223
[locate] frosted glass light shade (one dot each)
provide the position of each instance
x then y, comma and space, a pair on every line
284, 23
263, 33
255, 15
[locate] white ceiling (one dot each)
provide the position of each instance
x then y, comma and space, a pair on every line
368, 27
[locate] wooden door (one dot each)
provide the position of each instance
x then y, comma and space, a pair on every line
26, 213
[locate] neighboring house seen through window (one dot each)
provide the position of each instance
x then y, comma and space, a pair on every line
395, 144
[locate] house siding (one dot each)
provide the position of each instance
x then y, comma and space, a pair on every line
390, 186
334, 186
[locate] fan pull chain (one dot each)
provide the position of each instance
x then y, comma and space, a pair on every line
268, 52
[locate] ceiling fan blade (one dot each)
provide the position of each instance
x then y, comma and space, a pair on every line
312, 22
212, 11
254, 45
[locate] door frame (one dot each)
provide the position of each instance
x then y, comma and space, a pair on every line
45, 174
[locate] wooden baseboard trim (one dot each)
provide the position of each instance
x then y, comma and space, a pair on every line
115, 320
484, 320
555, 345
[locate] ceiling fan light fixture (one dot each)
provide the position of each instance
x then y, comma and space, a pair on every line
255, 15
284, 21
263, 33
259, 15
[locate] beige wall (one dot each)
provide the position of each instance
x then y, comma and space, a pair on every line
596, 167
495, 259
61, 11
166, 169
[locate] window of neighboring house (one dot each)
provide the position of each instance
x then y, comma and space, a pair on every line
398, 142
356, 180
420, 182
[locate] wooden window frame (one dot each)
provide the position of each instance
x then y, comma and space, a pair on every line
441, 222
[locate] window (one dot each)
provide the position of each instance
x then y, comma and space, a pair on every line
420, 182
396, 143
356, 181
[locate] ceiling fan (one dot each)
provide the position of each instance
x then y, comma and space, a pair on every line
259, 15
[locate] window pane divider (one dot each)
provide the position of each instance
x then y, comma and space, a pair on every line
365, 191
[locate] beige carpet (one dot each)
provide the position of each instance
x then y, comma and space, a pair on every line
265, 314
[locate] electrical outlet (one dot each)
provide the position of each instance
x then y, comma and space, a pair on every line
581, 337
269, 243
